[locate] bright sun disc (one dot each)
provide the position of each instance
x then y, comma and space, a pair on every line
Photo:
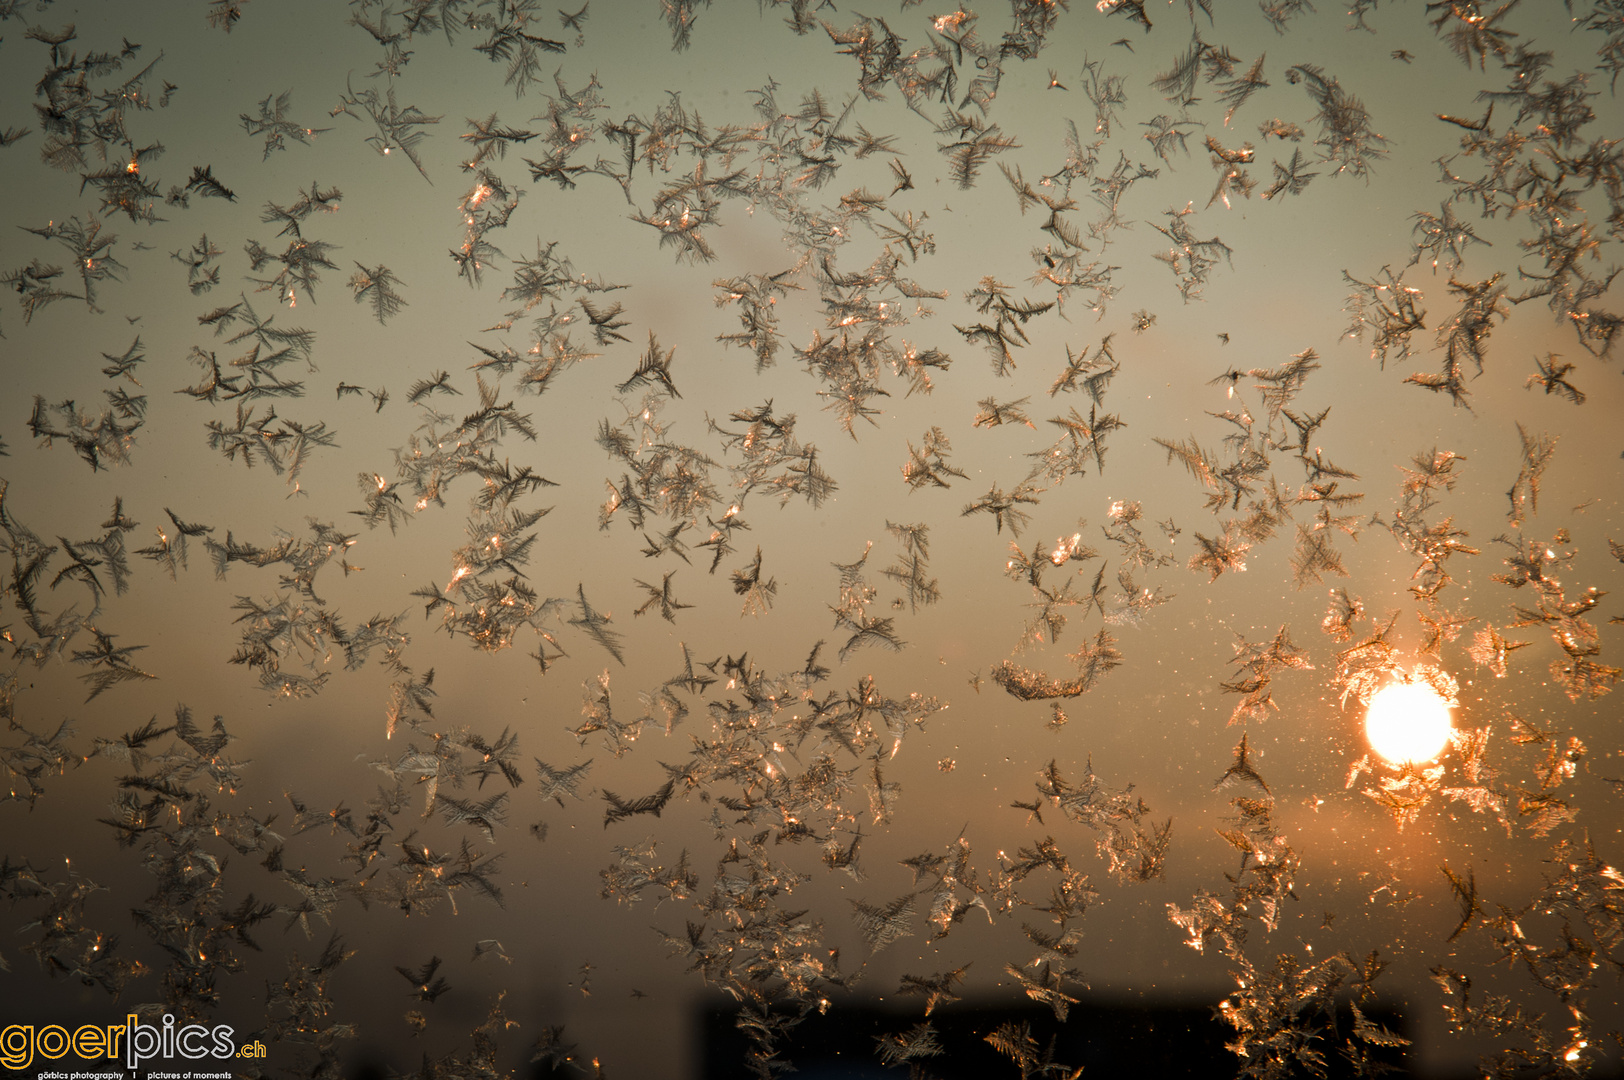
1407, 722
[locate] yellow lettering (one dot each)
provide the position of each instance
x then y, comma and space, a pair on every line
52, 1041
89, 1042
17, 1046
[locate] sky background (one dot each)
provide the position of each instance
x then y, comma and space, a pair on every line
1159, 723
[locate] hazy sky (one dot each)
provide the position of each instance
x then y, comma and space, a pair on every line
1159, 723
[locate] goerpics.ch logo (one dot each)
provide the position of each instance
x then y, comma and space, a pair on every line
22, 1044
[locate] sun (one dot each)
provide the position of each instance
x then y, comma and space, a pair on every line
1408, 723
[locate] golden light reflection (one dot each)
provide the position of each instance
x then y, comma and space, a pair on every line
1408, 723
